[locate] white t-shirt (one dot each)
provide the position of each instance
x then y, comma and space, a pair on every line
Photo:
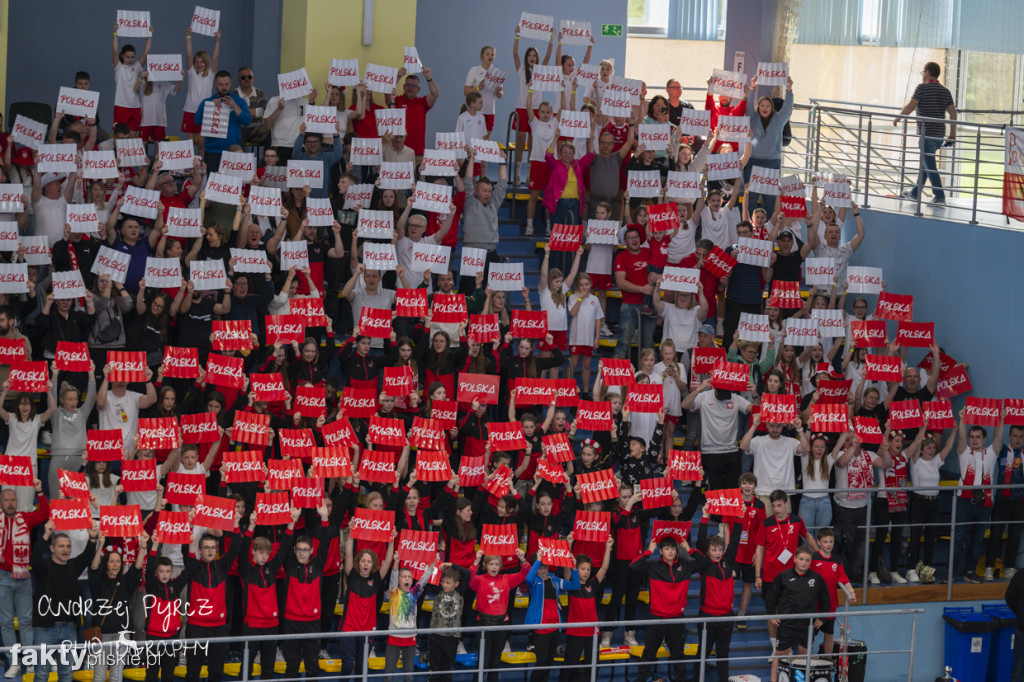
23, 437
683, 243
720, 229
49, 217
154, 105
125, 78
199, 88
558, 315
581, 329
523, 87
718, 421
104, 496
599, 262
286, 126
543, 137
403, 252
925, 475
858, 473
984, 461
681, 325
815, 487
474, 126
672, 395
773, 463
473, 78
841, 253
556, 97
121, 413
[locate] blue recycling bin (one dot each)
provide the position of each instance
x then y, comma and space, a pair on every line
1000, 660
968, 643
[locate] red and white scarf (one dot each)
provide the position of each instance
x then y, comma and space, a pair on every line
986, 478
15, 530
896, 484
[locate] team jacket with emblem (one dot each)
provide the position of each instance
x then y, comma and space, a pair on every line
208, 589
539, 526
302, 602
583, 607
261, 584
716, 581
669, 582
360, 602
831, 569
791, 592
629, 528
163, 617
780, 538
745, 530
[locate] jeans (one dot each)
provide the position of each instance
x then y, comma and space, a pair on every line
351, 655
815, 512
971, 521
767, 200
102, 663
54, 636
16, 600
929, 168
628, 312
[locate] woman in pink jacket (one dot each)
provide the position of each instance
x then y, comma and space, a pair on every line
564, 195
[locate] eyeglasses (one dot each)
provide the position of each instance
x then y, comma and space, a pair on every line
245, 78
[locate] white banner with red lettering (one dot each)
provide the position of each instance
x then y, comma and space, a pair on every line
602, 231
397, 175
223, 189
863, 280
439, 163
754, 328
757, 252
175, 155
8, 235
131, 24
837, 194
433, 257
319, 212
366, 151
143, 203
801, 332
75, 102
830, 323
13, 278
164, 67
323, 120
505, 276
209, 275
487, 151
130, 152
216, 116
728, 83
99, 165
764, 181
390, 121
302, 173
294, 254
451, 142
694, 122
547, 78
83, 218
820, 271
433, 198
264, 201
733, 128
378, 256
772, 73
724, 166
573, 32
381, 78
57, 158
205, 21
643, 184
683, 185
163, 273
343, 73
239, 164
28, 132
69, 284
655, 136
680, 279
574, 123
111, 262
376, 225
536, 26
37, 250
250, 260
294, 84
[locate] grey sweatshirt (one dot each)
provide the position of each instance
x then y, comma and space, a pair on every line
766, 143
480, 221
69, 428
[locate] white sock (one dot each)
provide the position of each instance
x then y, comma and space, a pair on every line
529, 222
775, 643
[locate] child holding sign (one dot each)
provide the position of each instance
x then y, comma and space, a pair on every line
200, 83
543, 128
494, 592
552, 288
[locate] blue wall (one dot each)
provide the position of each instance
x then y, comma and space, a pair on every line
48, 41
450, 34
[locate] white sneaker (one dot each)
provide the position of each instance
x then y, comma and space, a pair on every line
606, 640
373, 654
461, 650
12, 672
873, 578
989, 575
720, 329
47, 438
324, 656
912, 576
507, 649
631, 638
605, 331
279, 655
1008, 573
898, 579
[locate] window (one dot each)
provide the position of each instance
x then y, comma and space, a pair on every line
648, 17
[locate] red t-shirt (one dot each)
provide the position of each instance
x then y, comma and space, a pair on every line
834, 574
367, 125
780, 540
709, 281
659, 250
434, 220
635, 267
415, 121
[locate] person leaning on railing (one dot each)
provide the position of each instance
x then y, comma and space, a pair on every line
766, 126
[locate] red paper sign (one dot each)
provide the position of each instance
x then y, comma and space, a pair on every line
173, 528
830, 418
778, 408
905, 414
377, 467
685, 465
472, 471
646, 398
705, 359
273, 509
181, 363
297, 443
481, 387
657, 492
311, 401
417, 546
794, 207
500, 483
123, 520
677, 530
427, 434
557, 448
375, 322
617, 372
126, 365
534, 391
868, 333
506, 436
940, 414
29, 377
72, 357
232, 335
868, 430
411, 302
550, 471
883, 368
448, 308
160, 433
916, 334
499, 539
245, 466
568, 237
12, 350
310, 309
225, 370
555, 552
528, 324
339, 433
594, 416
598, 486
138, 475
433, 466
285, 329
484, 328
332, 462
372, 525
1014, 411
199, 428
785, 295
946, 363
282, 473
252, 428
73, 484
266, 387
983, 411
725, 502
215, 512
445, 412
70, 514
897, 307
360, 403
730, 376
832, 391
592, 526
662, 217
719, 263
105, 445
386, 431
953, 383
398, 381
184, 488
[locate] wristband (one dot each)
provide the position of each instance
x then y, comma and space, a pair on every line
856, 214
115, 33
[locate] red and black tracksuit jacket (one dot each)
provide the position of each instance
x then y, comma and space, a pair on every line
163, 618
303, 601
260, 583
669, 582
716, 582
209, 583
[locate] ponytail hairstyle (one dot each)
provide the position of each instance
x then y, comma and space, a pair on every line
470, 98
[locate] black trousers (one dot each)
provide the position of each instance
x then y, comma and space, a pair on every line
851, 522
267, 650
575, 648
212, 657
165, 658
719, 637
494, 642
328, 598
889, 523
1003, 510
922, 510
442, 657
622, 587
722, 469
674, 637
544, 649
297, 651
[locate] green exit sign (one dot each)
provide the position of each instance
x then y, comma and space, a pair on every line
611, 30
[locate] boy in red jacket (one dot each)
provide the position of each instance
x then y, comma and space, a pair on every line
742, 539
163, 618
715, 568
670, 579
830, 567
492, 596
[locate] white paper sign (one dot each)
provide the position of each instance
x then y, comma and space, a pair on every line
724, 166
733, 128
208, 275
547, 78
487, 151
131, 152
505, 277
757, 252
381, 78
239, 164
376, 224
863, 280
836, 194
216, 117
772, 73
821, 178
294, 254
37, 250
655, 136
694, 122
319, 212
28, 132
680, 279
14, 278
57, 158
379, 256
302, 173
830, 322
358, 195
205, 21
275, 176
142, 203
8, 235
294, 84
820, 271
184, 223
473, 261
615, 104
176, 155
754, 328
453, 142
494, 78
83, 218
396, 175
728, 83
574, 123
801, 332
100, 165
68, 284
643, 184
536, 26
764, 181
433, 257
575, 32
133, 24
250, 260
163, 273
602, 231
164, 67
224, 189
391, 121
793, 186
12, 198
439, 163
366, 151
77, 102
433, 198
111, 262
343, 73
323, 120
683, 185
264, 200
411, 59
